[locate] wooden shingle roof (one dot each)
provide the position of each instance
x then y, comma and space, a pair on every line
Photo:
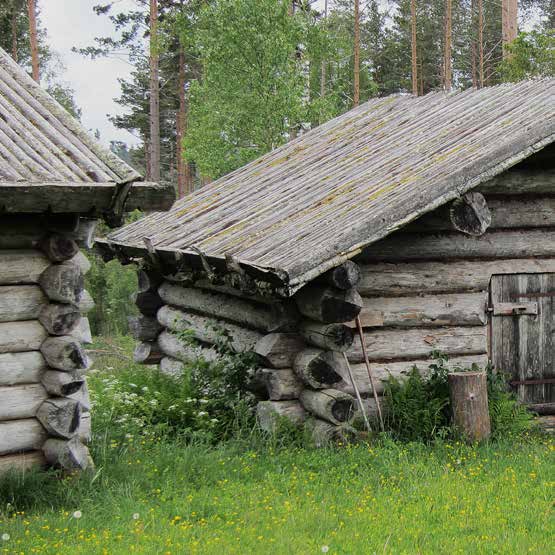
320, 199
48, 160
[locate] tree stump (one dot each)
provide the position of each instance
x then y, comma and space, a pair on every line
469, 401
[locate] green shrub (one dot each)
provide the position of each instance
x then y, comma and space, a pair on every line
419, 408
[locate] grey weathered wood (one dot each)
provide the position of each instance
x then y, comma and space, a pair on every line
21, 302
21, 401
21, 462
522, 345
59, 319
21, 435
69, 455
148, 302
382, 371
19, 267
82, 197
207, 329
82, 262
345, 276
264, 317
462, 309
19, 368
86, 303
334, 337
85, 428
62, 384
62, 283
318, 368
409, 344
279, 350
470, 214
280, 384
185, 351
409, 278
60, 417
323, 433
270, 413
334, 406
144, 328
82, 331
58, 247
148, 280
84, 234
327, 304
147, 352
492, 244
17, 337
172, 367
64, 353
468, 392
521, 181
83, 397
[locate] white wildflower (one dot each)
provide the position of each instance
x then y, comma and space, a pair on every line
202, 413
203, 401
5, 537
214, 420
77, 514
145, 388
136, 516
153, 402
132, 385
325, 549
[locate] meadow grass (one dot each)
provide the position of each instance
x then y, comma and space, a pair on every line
161, 494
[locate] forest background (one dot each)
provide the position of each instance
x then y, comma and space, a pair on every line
217, 83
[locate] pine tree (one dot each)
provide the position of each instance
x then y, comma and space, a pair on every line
32, 9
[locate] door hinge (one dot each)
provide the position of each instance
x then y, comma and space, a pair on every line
514, 309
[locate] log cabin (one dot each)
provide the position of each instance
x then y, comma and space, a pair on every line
55, 183
431, 220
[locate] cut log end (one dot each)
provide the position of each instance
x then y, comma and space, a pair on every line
58, 247
68, 455
318, 369
59, 319
471, 214
60, 417
147, 352
64, 353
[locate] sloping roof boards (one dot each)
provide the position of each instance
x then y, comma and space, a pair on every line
318, 200
42, 145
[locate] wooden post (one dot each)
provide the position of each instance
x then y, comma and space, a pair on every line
469, 400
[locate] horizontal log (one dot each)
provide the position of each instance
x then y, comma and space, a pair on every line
332, 405
323, 433
492, 244
207, 329
520, 181
280, 384
382, 371
21, 462
63, 283
21, 302
17, 337
346, 276
86, 302
419, 343
21, 435
20, 267
21, 401
18, 368
333, 337
64, 353
82, 262
264, 317
59, 319
58, 247
19, 231
172, 346
328, 305
270, 413
148, 302
279, 350
508, 212
84, 234
60, 417
463, 309
82, 331
68, 455
62, 384
147, 352
318, 368
172, 367
542, 408
82, 197
83, 397
144, 328
409, 278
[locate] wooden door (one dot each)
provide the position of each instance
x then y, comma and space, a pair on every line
522, 327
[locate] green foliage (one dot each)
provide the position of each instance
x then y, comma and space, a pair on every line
419, 407
530, 55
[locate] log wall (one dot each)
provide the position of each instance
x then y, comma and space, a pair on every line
41, 328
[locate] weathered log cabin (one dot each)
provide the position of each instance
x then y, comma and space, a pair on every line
55, 182
430, 219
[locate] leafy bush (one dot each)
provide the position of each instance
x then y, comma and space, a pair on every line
419, 408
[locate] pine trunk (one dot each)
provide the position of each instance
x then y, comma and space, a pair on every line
32, 8
154, 95
447, 54
414, 59
356, 96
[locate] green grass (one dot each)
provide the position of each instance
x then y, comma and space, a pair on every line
243, 497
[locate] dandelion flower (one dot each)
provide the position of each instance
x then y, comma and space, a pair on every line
77, 514
325, 549
5, 537
136, 516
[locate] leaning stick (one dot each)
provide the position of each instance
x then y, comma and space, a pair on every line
357, 393
369, 370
